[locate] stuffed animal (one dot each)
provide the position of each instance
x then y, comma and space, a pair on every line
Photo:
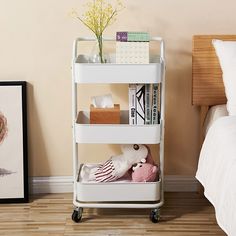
144, 172
116, 166
149, 158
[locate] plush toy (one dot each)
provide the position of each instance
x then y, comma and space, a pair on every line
149, 158
144, 172
116, 166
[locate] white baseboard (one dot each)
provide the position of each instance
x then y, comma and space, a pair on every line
56, 184
64, 184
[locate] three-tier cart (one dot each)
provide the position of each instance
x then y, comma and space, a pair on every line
117, 194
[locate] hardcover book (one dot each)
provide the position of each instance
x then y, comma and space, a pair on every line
140, 104
148, 104
155, 95
132, 104
132, 52
132, 37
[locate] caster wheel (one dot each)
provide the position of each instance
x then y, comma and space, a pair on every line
155, 215
77, 215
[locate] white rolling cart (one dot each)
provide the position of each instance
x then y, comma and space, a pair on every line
117, 194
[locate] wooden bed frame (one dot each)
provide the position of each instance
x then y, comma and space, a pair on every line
207, 84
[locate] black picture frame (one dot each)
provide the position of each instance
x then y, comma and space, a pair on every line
16, 133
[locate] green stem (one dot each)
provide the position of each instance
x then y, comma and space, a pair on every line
100, 45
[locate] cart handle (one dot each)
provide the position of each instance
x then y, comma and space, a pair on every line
77, 40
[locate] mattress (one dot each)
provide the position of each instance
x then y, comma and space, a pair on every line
214, 113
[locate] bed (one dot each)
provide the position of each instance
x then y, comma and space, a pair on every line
217, 162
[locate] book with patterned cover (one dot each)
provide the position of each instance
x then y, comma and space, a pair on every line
155, 95
148, 104
140, 104
132, 104
132, 52
132, 36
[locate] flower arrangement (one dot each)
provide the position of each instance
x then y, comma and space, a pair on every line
99, 15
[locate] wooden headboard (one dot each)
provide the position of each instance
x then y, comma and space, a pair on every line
207, 84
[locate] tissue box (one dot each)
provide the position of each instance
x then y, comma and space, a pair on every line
105, 115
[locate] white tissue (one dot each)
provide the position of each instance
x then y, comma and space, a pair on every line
104, 101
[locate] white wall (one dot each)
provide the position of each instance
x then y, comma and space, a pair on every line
36, 44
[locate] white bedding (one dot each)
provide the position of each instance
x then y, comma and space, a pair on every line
217, 171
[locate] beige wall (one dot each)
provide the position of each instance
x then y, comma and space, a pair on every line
36, 43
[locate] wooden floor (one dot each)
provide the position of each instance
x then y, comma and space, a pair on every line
184, 214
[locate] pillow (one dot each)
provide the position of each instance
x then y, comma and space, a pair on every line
226, 52
214, 113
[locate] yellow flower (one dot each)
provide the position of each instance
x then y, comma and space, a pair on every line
98, 16
73, 13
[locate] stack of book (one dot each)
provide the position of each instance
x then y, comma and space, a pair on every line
132, 48
144, 104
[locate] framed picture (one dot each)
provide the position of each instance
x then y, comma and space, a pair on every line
13, 143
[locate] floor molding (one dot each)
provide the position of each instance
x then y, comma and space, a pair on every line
64, 184
55, 184
180, 183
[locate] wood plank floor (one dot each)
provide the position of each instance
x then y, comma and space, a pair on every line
184, 214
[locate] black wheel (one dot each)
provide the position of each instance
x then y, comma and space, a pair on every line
77, 215
155, 215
